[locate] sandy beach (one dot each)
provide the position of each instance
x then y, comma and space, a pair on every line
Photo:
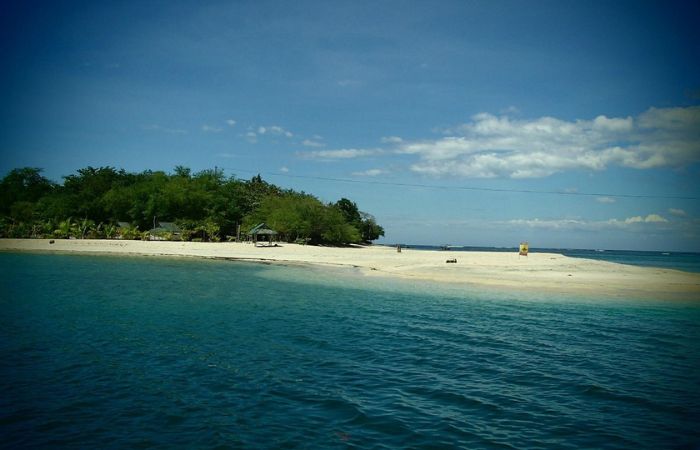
548, 272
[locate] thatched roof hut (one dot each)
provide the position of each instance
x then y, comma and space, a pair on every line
262, 229
163, 230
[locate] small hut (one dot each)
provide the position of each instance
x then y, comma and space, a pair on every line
165, 231
262, 230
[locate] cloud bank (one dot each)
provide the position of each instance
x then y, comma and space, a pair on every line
492, 146
274, 130
211, 129
370, 173
582, 224
344, 153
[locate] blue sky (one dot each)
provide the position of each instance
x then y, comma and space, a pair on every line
412, 101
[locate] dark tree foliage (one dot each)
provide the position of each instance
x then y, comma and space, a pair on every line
349, 210
363, 222
370, 229
25, 186
205, 205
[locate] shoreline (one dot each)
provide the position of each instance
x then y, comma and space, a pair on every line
543, 272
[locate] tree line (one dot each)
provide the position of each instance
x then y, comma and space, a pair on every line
205, 206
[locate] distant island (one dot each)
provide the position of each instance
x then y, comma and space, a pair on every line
106, 203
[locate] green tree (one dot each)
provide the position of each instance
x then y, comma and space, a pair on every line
65, 229
110, 231
182, 171
336, 230
349, 210
299, 216
84, 191
206, 205
84, 227
211, 230
369, 229
23, 185
20, 191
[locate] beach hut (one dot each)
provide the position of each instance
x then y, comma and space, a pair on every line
165, 231
262, 229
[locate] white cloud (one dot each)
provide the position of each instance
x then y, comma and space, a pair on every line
605, 124
590, 225
370, 173
231, 122
391, 140
677, 212
492, 146
312, 143
211, 129
651, 218
345, 153
251, 137
550, 224
274, 130
654, 218
606, 200
284, 169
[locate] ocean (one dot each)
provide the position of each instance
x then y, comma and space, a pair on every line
146, 352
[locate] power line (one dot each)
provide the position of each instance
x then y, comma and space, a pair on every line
465, 188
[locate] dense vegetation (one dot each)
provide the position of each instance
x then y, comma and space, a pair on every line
205, 206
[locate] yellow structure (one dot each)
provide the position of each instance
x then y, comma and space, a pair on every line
523, 249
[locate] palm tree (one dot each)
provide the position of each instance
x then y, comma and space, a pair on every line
130, 233
110, 231
64, 229
85, 226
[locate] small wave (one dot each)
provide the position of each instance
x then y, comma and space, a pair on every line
258, 364
446, 398
603, 393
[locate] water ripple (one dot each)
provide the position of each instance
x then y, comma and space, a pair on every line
127, 352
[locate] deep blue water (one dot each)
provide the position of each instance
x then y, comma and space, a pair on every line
686, 261
115, 352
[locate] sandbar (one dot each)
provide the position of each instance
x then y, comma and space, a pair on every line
547, 272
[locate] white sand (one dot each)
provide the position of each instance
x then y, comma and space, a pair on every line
537, 272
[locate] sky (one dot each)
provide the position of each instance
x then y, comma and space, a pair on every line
568, 124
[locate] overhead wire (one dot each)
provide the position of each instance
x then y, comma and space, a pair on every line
465, 188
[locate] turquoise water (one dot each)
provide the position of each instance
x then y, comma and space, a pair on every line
112, 352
